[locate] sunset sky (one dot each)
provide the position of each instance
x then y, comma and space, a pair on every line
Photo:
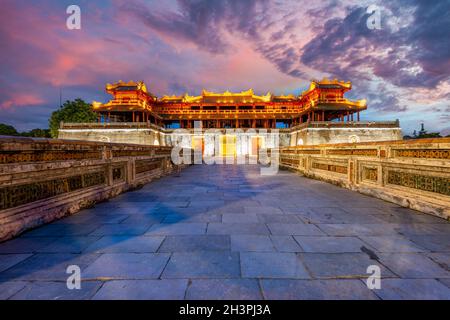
178, 46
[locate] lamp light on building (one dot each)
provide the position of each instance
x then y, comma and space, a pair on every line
96, 104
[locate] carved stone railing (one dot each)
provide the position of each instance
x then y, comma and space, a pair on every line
109, 125
348, 124
43, 179
411, 173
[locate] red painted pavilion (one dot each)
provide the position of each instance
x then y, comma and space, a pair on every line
323, 101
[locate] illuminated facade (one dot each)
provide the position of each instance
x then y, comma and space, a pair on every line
323, 101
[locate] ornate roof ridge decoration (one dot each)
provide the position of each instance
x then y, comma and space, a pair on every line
326, 81
286, 96
140, 85
246, 96
334, 81
228, 94
248, 92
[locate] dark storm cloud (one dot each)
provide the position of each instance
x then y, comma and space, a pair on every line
202, 21
385, 102
416, 55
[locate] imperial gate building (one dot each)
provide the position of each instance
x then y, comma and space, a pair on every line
321, 114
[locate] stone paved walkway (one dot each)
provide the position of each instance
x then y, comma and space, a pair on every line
226, 232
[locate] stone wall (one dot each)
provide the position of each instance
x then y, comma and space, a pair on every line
134, 133
43, 179
314, 133
310, 133
412, 173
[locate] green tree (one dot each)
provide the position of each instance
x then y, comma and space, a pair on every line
7, 130
37, 133
429, 135
71, 111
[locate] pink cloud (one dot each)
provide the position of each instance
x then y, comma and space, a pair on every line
22, 99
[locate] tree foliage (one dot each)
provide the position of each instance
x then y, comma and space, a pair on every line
423, 134
7, 130
71, 111
37, 133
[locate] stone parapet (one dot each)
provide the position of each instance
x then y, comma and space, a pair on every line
321, 132
42, 180
411, 173
310, 133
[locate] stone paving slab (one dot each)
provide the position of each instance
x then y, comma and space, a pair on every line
445, 281
252, 243
391, 244
9, 288
329, 244
341, 265
47, 266
122, 229
441, 258
262, 209
93, 217
25, 245
354, 229
238, 228
422, 228
288, 229
413, 289
9, 260
240, 218
224, 289
203, 264
40, 290
144, 219
203, 217
272, 265
348, 289
413, 265
438, 243
278, 218
60, 230
166, 289
226, 232
68, 244
407, 216
180, 228
126, 244
127, 266
195, 243
285, 244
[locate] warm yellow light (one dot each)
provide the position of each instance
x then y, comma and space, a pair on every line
96, 104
